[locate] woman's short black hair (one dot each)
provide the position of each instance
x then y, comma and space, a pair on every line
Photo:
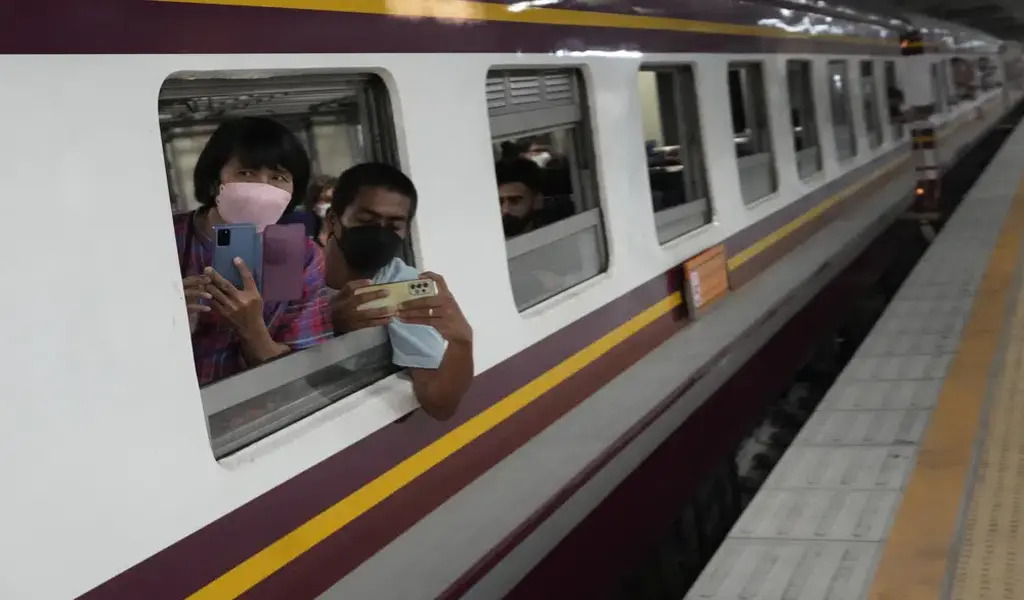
372, 175
519, 170
257, 142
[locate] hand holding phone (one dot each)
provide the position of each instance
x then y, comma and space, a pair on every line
362, 304
397, 293
237, 241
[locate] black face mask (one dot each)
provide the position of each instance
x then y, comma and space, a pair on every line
368, 248
513, 225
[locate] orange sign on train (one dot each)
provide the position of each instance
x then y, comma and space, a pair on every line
707, 278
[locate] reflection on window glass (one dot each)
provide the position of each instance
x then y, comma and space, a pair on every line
896, 100
673, 149
804, 119
869, 94
242, 155
842, 113
752, 131
547, 192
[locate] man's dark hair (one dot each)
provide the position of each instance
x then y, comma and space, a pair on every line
372, 175
519, 170
257, 142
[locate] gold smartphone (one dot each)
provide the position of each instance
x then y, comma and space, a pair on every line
398, 292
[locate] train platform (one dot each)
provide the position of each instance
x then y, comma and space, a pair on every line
907, 483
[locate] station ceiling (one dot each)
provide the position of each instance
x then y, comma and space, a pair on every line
1001, 18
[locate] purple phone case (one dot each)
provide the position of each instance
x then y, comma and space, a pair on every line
284, 262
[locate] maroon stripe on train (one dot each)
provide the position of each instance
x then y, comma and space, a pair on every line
145, 26
207, 553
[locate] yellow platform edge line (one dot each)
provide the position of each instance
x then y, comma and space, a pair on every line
916, 557
988, 559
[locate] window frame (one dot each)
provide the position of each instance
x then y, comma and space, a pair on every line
581, 157
847, 105
762, 134
685, 124
897, 128
938, 88
870, 106
302, 382
811, 116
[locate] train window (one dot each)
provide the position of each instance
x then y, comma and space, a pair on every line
804, 119
675, 154
938, 87
752, 131
869, 93
547, 191
894, 94
949, 71
308, 124
964, 78
842, 113
988, 74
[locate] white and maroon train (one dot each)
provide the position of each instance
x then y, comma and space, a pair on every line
681, 127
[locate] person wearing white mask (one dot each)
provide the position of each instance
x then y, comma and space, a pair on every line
537, 151
318, 200
252, 171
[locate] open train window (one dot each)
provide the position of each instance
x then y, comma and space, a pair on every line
674, 152
842, 113
896, 100
804, 118
339, 120
752, 131
547, 191
869, 96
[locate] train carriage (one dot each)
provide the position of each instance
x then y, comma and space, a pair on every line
701, 148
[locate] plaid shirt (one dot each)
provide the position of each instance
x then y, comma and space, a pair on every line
299, 324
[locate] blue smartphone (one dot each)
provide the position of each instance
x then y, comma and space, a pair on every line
242, 241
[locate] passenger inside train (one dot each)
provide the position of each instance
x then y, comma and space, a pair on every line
318, 201
519, 195
251, 171
367, 224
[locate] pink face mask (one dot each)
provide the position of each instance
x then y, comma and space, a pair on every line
258, 204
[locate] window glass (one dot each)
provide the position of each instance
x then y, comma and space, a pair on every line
965, 78
752, 131
896, 100
988, 74
547, 192
672, 146
337, 121
842, 113
869, 95
949, 73
803, 118
939, 87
